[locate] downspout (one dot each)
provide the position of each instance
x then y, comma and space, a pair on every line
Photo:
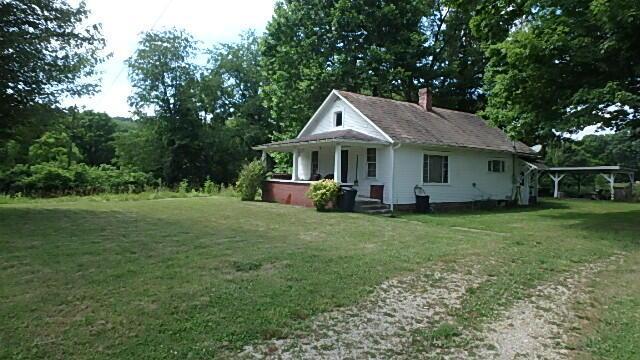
393, 173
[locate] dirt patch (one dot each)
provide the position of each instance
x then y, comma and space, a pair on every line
381, 325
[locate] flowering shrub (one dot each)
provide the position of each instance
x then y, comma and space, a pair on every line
322, 192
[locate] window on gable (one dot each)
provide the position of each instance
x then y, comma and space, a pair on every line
314, 163
435, 169
338, 118
372, 170
496, 166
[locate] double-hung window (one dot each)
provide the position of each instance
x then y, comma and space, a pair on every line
496, 166
372, 170
435, 169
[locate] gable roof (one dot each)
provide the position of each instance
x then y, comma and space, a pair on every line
407, 122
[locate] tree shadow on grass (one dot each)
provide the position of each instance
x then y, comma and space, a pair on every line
543, 205
621, 226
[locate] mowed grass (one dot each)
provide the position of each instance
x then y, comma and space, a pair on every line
202, 277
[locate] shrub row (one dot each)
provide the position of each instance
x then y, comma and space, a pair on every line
52, 179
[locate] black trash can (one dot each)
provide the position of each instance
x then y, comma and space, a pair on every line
422, 200
347, 200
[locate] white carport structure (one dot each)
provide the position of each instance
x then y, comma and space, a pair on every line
607, 172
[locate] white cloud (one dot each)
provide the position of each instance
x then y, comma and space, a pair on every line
123, 20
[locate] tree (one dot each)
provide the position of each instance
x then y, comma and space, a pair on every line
47, 51
231, 95
564, 65
54, 146
93, 133
140, 148
165, 82
381, 48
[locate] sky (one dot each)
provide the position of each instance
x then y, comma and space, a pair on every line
209, 21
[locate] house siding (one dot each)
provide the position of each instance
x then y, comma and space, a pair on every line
350, 120
466, 167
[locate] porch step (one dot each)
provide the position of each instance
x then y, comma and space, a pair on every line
371, 206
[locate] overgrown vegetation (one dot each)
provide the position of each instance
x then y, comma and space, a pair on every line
250, 180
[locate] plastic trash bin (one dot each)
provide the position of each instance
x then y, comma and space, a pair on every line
347, 200
422, 200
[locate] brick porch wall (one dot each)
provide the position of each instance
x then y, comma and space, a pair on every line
286, 193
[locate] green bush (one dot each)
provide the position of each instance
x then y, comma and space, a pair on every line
183, 187
322, 192
55, 179
250, 179
210, 187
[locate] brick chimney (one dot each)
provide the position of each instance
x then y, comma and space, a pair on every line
425, 95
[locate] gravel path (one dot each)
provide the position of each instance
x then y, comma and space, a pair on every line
381, 325
537, 327
540, 326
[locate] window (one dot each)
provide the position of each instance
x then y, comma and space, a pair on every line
496, 166
371, 162
338, 118
314, 162
435, 169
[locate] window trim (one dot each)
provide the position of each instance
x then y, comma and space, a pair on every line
448, 169
372, 162
335, 118
503, 166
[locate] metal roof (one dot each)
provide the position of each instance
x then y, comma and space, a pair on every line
348, 135
593, 169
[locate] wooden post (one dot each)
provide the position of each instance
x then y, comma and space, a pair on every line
556, 180
294, 169
632, 180
337, 163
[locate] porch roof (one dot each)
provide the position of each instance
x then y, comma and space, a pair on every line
337, 136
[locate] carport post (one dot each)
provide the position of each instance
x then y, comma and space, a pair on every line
611, 178
556, 180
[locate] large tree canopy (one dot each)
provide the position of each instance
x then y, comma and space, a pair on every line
381, 48
562, 65
47, 51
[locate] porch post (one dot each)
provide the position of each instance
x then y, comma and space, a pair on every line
294, 169
556, 180
337, 164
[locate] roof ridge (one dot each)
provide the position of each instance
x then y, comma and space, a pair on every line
406, 102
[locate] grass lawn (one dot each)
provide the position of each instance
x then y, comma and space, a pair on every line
201, 277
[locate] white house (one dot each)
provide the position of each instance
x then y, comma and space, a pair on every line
388, 149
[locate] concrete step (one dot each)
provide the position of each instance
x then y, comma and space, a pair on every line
378, 212
367, 201
373, 207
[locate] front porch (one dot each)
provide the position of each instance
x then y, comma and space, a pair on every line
352, 159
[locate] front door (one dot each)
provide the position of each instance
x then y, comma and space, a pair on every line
344, 166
